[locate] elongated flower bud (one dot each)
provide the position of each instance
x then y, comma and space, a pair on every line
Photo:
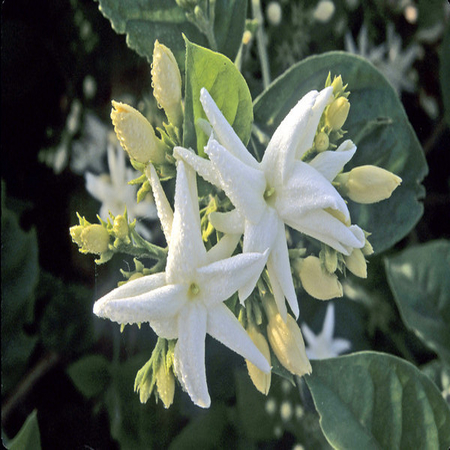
260, 379
367, 184
356, 263
136, 135
286, 340
165, 383
167, 83
317, 282
337, 113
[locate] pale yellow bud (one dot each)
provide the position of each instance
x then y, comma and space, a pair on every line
337, 113
367, 184
75, 232
94, 239
356, 263
317, 282
136, 134
120, 227
338, 85
135, 276
260, 379
286, 340
165, 383
367, 249
167, 83
322, 141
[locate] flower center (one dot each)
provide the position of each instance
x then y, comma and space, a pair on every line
193, 290
270, 195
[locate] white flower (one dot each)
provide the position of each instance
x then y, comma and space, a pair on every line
114, 192
186, 301
323, 345
279, 190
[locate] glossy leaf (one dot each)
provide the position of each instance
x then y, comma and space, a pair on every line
419, 279
28, 438
372, 400
377, 123
216, 73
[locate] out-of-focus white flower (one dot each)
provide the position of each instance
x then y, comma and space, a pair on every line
324, 11
114, 192
274, 13
323, 345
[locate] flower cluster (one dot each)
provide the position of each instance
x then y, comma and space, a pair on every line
228, 271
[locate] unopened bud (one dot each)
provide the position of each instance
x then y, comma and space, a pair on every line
120, 227
367, 184
136, 134
75, 232
337, 113
167, 83
356, 263
165, 383
260, 379
93, 239
338, 85
317, 282
286, 340
367, 249
322, 141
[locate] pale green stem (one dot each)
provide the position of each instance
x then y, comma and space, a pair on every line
261, 42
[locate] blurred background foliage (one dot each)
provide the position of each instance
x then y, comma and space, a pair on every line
67, 377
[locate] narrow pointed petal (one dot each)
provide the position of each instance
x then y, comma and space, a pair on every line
309, 334
190, 353
339, 346
186, 250
163, 207
159, 303
201, 165
224, 248
324, 227
220, 280
223, 326
99, 189
224, 131
243, 184
277, 291
307, 190
328, 323
330, 163
230, 222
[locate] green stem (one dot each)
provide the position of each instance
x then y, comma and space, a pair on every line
261, 42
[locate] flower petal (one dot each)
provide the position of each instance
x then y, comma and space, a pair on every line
330, 163
223, 326
224, 131
186, 250
165, 328
224, 248
189, 353
243, 184
230, 222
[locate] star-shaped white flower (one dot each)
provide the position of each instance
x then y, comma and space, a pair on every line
186, 301
323, 345
281, 189
114, 192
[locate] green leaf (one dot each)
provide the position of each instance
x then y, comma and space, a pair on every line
372, 400
28, 438
90, 374
216, 73
419, 279
20, 273
377, 123
444, 72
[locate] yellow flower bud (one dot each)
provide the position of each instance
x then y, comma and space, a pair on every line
317, 282
367, 249
337, 113
260, 379
165, 383
367, 184
167, 83
322, 141
136, 135
120, 227
338, 85
75, 232
94, 239
356, 263
135, 276
286, 340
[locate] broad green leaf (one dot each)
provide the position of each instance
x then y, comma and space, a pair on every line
216, 73
444, 72
377, 123
419, 279
439, 373
28, 438
90, 374
373, 400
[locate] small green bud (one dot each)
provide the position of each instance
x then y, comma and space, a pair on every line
75, 232
337, 113
322, 141
120, 227
94, 239
165, 383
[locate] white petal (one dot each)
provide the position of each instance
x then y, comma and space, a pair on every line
330, 163
328, 323
224, 248
306, 190
339, 345
224, 131
160, 303
277, 291
223, 326
243, 184
99, 187
190, 353
220, 280
165, 328
186, 249
163, 207
230, 222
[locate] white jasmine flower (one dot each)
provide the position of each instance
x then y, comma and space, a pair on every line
324, 11
323, 345
114, 192
186, 301
279, 190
